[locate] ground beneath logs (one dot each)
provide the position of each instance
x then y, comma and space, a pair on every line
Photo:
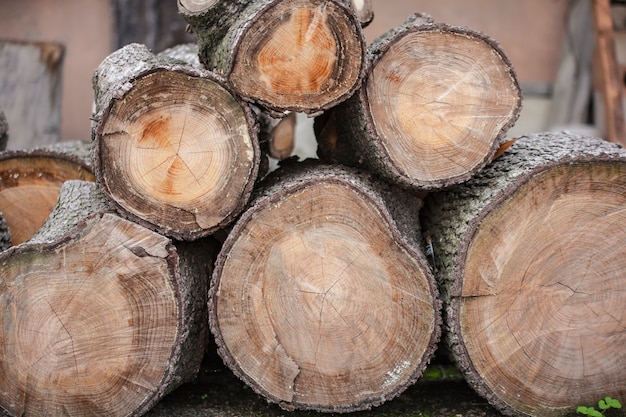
441, 392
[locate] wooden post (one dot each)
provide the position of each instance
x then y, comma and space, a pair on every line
612, 85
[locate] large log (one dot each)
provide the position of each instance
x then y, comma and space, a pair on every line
174, 150
30, 181
321, 298
531, 258
435, 103
286, 55
98, 316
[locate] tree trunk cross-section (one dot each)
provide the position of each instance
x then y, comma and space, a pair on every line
30, 181
175, 151
436, 101
317, 300
298, 55
98, 315
532, 258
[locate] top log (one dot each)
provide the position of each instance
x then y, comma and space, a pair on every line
286, 55
436, 101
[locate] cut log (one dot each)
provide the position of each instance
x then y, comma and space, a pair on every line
531, 258
286, 55
175, 151
321, 298
277, 135
30, 91
434, 106
30, 181
99, 316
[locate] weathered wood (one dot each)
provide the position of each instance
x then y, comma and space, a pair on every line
30, 91
175, 151
435, 103
530, 256
276, 134
99, 316
30, 181
321, 298
285, 55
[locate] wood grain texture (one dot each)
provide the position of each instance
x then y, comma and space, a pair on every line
100, 316
175, 151
30, 181
289, 55
436, 101
530, 257
319, 299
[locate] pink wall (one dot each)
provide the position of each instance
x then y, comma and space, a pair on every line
84, 27
529, 31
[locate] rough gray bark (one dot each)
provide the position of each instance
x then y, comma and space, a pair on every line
540, 274
30, 181
282, 70
174, 150
30, 91
327, 258
434, 105
100, 316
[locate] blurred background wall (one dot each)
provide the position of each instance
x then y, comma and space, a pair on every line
531, 32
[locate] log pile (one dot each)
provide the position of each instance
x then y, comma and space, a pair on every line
326, 284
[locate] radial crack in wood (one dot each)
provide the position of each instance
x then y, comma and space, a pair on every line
436, 101
317, 300
175, 150
287, 55
532, 259
99, 316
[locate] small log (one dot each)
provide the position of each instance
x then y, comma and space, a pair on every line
433, 108
30, 91
531, 258
277, 135
294, 55
175, 151
99, 316
321, 298
30, 181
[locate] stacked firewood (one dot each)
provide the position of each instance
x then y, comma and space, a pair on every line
326, 284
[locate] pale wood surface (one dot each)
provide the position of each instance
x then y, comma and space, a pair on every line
318, 301
530, 257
